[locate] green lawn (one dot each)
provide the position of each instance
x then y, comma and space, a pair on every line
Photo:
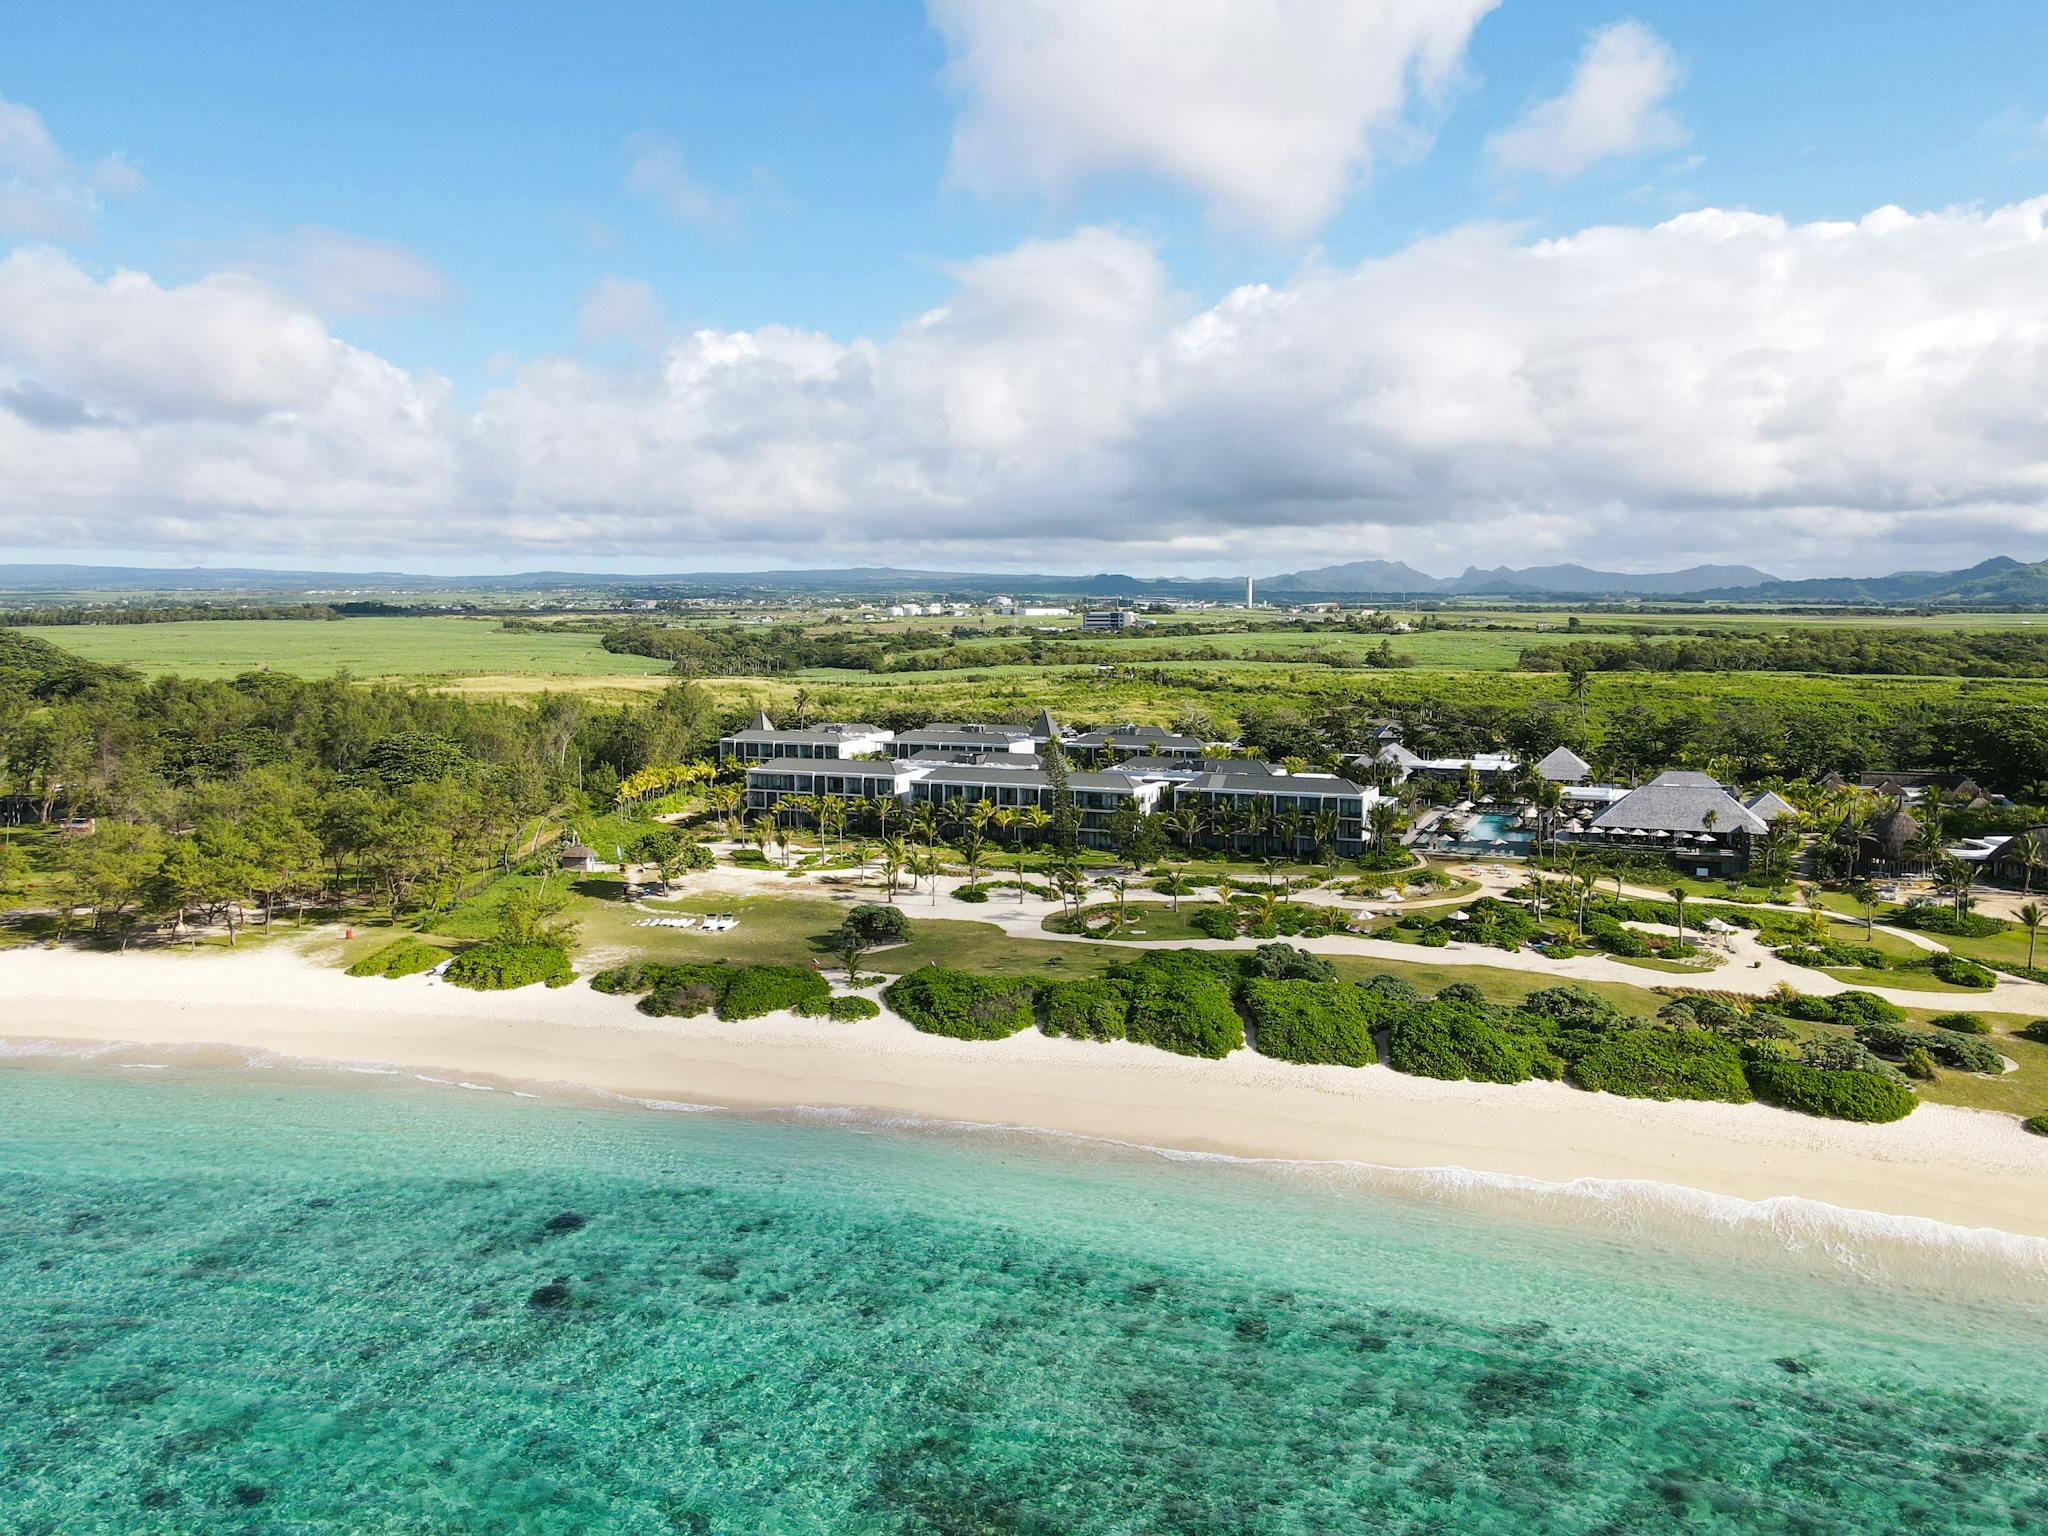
425, 648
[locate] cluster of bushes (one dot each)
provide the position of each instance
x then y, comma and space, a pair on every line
1851, 1008
1214, 920
401, 957
1818, 955
1960, 971
1952, 1048
1196, 1003
1839, 1095
1948, 921
730, 991
500, 967
1489, 920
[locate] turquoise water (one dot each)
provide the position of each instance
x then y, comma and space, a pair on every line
290, 1301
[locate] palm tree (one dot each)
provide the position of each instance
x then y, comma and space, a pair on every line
1678, 901
2029, 915
1275, 874
1326, 824
2032, 854
1955, 879
1117, 886
1253, 819
1288, 824
923, 821
894, 856
1385, 821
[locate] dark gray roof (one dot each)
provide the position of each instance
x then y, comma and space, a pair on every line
977, 755
1771, 806
1679, 802
1245, 778
965, 732
1564, 766
994, 777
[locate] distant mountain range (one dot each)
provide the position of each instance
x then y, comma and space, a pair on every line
1390, 577
1999, 582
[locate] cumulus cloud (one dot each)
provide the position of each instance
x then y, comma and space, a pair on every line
1614, 106
1266, 109
1721, 385
42, 197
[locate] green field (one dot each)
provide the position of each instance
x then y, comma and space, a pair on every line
426, 649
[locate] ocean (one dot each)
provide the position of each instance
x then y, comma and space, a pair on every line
248, 1296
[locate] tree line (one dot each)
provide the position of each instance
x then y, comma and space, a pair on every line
1848, 652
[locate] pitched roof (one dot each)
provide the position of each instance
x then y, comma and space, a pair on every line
1045, 727
1248, 778
761, 722
1771, 806
1679, 802
1564, 766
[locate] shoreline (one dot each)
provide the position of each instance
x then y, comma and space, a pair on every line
1959, 1167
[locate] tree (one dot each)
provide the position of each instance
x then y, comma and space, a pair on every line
1678, 901
894, 856
534, 918
1066, 817
2029, 915
1384, 822
868, 926
111, 870
924, 823
1864, 894
2032, 854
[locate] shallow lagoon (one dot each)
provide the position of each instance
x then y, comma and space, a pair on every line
304, 1301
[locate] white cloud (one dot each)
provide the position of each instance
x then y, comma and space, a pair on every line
348, 274
1722, 385
1267, 109
621, 309
659, 173
1614, 106
41, 196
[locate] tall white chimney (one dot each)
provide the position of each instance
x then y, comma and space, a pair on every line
1247, 592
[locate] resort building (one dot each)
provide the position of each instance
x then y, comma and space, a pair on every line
1116, 741
764, 740
1234, 796
1564, 766
963, 736
1407, 765
1771, 806
2008, 864
826, 778
1096, 796
1685, 814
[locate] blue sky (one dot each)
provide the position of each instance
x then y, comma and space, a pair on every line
445, 187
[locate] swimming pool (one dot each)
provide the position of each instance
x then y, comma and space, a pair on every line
1489, 829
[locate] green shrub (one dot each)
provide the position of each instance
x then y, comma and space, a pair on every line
1283, 962
1834, 1054
1845, 1008
1572, 1007
2038, 1030
402, 957
1180, 1002
1946, 920
756, 990
1950, 1047
1962, 1023
1917, 1064
1604, 933
2038, 1124
1960, 971
685, 991
1457, 1040
627, 980
1398, 990
843, 1009
1461, 992
1214, 920
1081, 1010
960, 1004
1434, 938
1312, 1021
501, 967
1652, 1063
971, 893
1837, 1095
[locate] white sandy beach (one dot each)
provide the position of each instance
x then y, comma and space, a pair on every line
1963, 1167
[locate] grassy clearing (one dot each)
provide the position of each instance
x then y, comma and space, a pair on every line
425, 649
